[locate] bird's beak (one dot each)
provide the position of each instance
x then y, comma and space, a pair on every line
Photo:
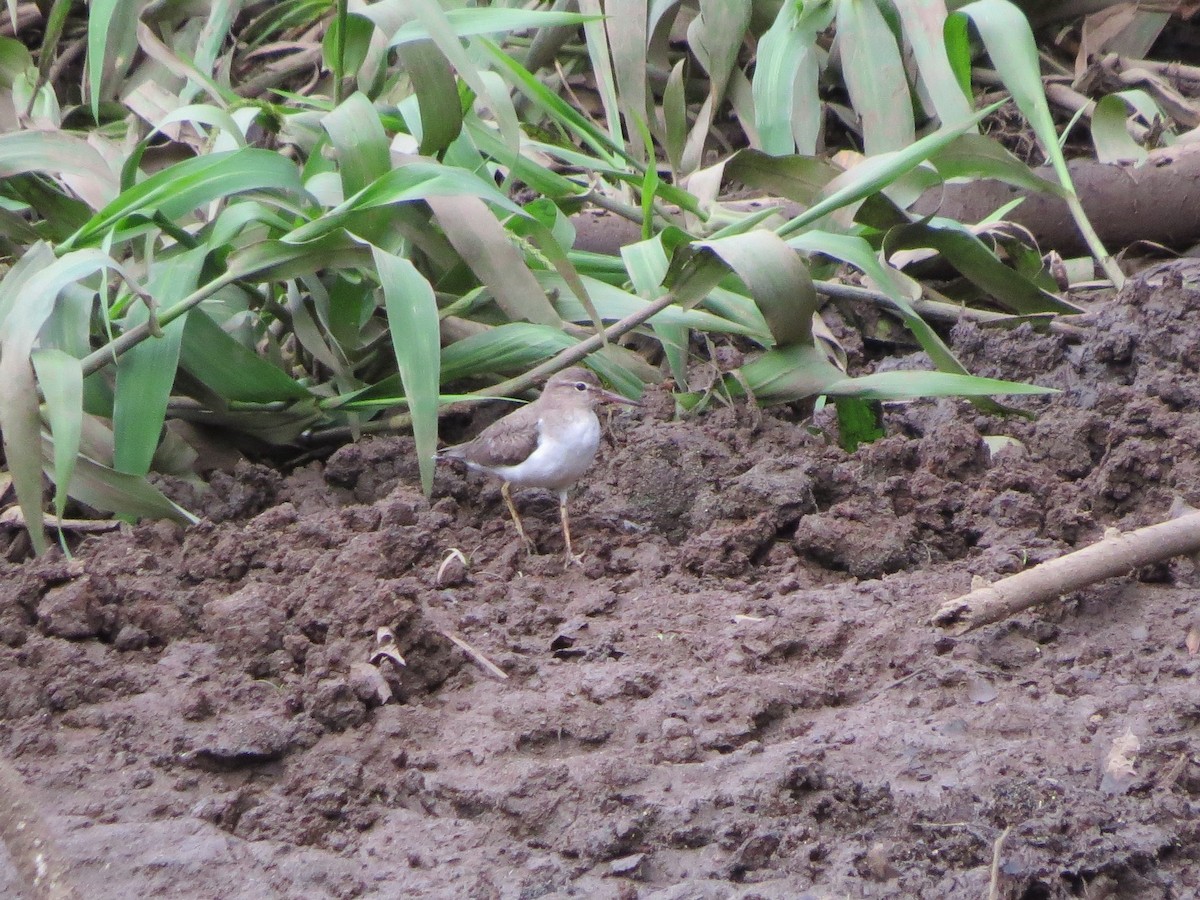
610, 397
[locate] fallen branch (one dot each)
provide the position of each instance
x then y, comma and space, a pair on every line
1116, 554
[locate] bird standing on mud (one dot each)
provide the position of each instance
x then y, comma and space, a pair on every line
550, 444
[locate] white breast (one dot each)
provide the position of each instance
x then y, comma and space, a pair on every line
560, 459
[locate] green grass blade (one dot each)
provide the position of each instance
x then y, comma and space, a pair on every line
59, 153
490, 253
516, 347
777, 280
179, 190
413, 318
878, 172
787, 107
915, 385
1009, 40
875, 77
24, 317
435, 24
924, 21
488, 20
102, 14
105, 489
437, 95
146, 373
61, 379
358, 136
970, 256
230, 370
626, 29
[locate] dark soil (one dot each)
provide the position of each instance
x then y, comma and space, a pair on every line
737, 695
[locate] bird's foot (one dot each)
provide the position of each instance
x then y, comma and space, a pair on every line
572, 559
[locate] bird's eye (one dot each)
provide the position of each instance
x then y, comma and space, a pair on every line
581, 386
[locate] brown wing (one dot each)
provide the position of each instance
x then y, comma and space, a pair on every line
504, 443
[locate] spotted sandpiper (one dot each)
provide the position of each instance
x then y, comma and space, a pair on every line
548, 444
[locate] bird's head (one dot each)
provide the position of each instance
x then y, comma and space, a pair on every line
577, 383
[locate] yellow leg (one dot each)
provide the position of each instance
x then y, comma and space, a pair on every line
512, 509
572, 557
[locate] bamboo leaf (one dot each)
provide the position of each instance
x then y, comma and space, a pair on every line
777, 280
61, 379
488, 20
178, 190
413, 317
787, 107
875, 76
146, 373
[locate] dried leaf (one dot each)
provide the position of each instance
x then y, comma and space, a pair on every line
385, 647
1119, 773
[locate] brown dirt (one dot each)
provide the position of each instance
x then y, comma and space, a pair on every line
738, 695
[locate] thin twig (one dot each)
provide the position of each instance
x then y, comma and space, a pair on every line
482, 661
997, 849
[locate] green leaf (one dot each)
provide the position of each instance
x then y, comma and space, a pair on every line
413, 319
59, 153
786, 374
613, 303
797, 178
27, 299
146, 373
914, 385
413, 181
787, 107
358, 136
178, 190
230, 370
515, 347
111, 40
437, 95
1109, 132
877, 172
489, 20
777, 280
625, 26
924, 21
968, 254
859, 422
352, 37
15, 58
61, 379
875, 77
129, 495
978, 156
434, 23
491, 254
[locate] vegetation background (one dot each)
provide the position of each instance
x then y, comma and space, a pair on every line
283, 224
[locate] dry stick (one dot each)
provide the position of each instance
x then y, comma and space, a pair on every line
994, 887
1115, 555
482, 661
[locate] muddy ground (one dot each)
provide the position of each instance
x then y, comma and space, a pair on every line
738, 694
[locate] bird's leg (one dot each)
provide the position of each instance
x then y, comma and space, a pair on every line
572, 557
512, 509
